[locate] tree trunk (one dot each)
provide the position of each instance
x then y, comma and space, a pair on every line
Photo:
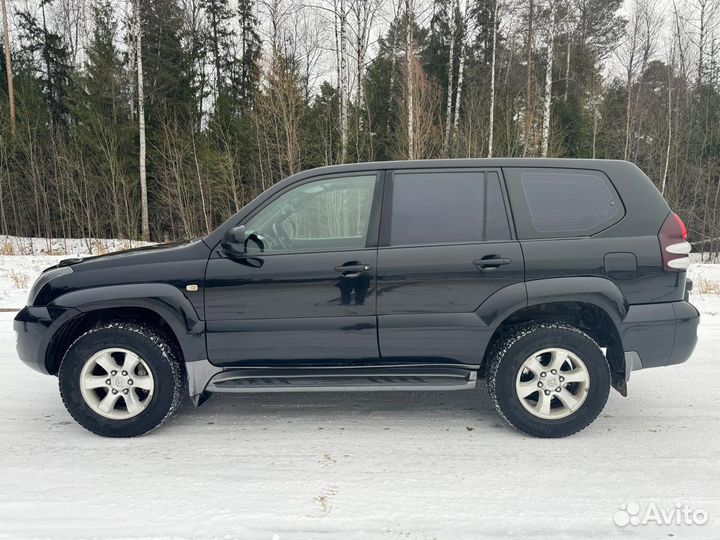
595, 119
491, 122
669, 132
343, 83
628, 111
393, 61
528, 81
567, 59
701, 42
141, 124
365, 15
8, 65
216, 55
461, 71
448, 105
409, 82
208, 229
548, 82
46, 59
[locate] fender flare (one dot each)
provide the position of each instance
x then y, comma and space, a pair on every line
597, 291
164, 300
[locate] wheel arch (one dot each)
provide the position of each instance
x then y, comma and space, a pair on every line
159, 305
595, 305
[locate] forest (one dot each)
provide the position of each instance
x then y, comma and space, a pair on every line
158, 119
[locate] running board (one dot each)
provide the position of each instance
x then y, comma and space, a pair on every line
344, 380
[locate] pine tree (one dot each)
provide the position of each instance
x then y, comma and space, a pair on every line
247, 77
220, 39
53, 65
169, 89
102, 132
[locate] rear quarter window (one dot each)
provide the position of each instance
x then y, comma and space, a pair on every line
562, 203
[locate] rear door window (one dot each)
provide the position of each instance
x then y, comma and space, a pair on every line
447, 207
561, 203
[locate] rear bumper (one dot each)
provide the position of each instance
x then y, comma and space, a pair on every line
34, 329
655, 335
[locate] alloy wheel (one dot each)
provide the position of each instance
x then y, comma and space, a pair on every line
552, 383
116, 383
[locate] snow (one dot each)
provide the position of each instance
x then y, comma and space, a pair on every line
19, 245
405, 466
22, 259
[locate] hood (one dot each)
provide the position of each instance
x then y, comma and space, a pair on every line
124, 254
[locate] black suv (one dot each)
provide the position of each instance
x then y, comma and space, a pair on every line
551, 279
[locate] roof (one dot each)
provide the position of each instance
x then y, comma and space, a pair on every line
558, 163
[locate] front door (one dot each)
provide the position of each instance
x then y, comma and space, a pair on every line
445, 247
304, 293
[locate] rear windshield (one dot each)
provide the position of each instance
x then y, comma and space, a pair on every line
560, 203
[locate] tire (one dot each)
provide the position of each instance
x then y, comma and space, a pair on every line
512, 372
115, 402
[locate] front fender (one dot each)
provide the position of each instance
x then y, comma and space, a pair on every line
165, 300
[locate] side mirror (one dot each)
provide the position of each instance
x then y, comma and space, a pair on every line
233, 242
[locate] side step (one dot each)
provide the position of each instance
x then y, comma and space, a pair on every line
343, 380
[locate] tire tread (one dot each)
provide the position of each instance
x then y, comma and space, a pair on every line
499, 350
158, 339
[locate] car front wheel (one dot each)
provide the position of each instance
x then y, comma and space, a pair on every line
121, 379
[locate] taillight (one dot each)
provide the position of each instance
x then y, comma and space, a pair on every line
674, 245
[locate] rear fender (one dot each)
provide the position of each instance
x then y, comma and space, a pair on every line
600, 292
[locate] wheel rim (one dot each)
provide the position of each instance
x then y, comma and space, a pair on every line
116, 383
552, 383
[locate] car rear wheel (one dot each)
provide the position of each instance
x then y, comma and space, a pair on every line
121, 379
548, 379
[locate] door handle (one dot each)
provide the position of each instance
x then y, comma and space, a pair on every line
490, 262
353, 270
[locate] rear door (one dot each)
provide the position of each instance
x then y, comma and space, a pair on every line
446, 246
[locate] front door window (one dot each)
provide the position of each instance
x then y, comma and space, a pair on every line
326, 215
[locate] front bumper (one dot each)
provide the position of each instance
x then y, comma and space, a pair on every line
655, 335
35, 328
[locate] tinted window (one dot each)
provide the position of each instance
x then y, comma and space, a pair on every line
446, 207
569, 202
325, 215
496, 219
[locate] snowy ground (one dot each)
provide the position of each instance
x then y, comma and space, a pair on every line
345, 466
22, 260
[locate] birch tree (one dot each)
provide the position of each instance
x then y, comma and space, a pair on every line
8, 66
528, 80
397, 10
341, 19
637, 50
670, 79
491, 120
548, 80
364, 12
145, 219
568, 34
410, 77
451, 57
461, 68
